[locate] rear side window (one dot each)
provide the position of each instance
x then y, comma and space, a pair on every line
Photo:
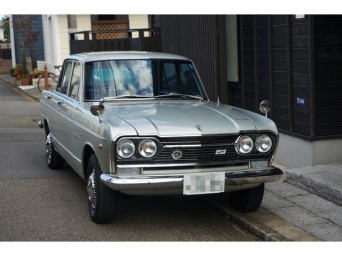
75, 81
66, 77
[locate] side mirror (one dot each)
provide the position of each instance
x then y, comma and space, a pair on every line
97, 109
265, 107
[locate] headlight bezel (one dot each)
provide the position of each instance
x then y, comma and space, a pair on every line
239, 141
144, 142
258, 147
121, 143
137, 156
255, 137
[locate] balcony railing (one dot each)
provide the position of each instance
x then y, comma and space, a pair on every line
137, 39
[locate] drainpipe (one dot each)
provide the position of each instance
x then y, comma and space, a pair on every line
12, 40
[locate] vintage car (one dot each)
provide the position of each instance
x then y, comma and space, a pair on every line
141, 123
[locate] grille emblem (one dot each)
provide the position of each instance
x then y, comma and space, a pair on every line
220, 152
176, 154
199, 127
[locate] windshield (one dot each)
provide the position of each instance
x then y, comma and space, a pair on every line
140, 78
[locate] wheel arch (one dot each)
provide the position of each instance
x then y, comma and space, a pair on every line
46, 127
87, 152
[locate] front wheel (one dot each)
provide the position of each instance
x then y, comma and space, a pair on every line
248, 200
53, 159
101, 199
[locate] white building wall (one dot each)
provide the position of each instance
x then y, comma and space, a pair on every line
2, 37
138, 21
63, 35
51, 40
56, 36
83, 24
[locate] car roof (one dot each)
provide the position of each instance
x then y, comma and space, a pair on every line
110, 55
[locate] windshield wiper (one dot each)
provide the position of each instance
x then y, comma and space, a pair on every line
171, 95
129, 96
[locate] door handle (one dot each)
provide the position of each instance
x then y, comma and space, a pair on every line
60, 102
49, 97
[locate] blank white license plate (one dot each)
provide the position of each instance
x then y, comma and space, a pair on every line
203, 183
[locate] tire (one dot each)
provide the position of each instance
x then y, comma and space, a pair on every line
101, 199
53, 79
248, 200
53, 159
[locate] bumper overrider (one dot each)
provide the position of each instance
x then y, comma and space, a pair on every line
270, 174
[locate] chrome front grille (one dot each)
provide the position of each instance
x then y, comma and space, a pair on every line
199, 149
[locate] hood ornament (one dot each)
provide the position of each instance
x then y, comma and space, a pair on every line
199, 127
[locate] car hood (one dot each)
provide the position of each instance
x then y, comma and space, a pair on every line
186, 118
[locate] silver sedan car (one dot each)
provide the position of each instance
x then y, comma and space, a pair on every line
141, 123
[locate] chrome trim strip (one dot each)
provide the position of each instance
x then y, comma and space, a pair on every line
153, 165
171, 182
78, 125
182, 146
87, 130
178, 164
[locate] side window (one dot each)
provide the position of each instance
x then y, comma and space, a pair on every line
65, 80
75, 81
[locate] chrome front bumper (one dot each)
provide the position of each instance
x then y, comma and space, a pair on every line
271, 174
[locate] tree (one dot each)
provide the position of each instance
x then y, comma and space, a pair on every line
24, 29
6, 27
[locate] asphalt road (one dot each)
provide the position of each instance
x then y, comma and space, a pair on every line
39, 204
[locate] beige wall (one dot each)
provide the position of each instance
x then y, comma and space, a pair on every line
138, 21
83, 23
56, 33
63, 38
295, 152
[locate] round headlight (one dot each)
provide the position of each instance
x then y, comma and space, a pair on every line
125, 148
244, 144
147, 148
263, 143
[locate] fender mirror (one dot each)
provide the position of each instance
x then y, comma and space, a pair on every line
97, 109
265, 107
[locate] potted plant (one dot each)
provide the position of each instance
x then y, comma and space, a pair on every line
25, 79
12, 70
36, 73
18, 71
1, 72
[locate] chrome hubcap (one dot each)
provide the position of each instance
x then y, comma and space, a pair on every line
91, 188
48, 146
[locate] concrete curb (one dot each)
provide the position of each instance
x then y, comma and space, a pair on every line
15, 87
313, 186
253, 226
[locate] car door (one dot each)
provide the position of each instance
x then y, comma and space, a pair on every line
75, 111
60, 126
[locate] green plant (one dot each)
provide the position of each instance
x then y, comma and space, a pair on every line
18, 70
23, 59
12, 70
37, 72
